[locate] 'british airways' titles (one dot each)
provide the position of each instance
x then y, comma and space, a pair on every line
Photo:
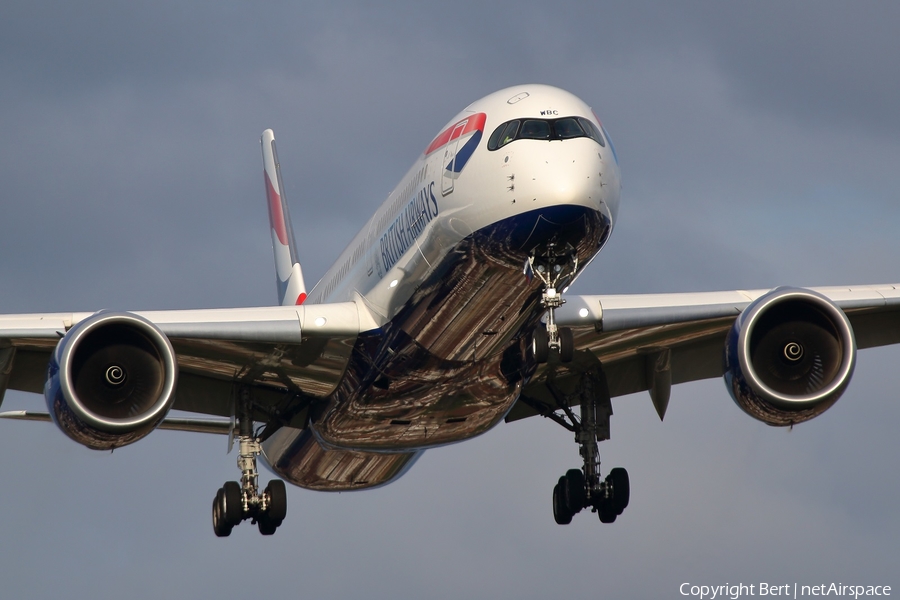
408, 226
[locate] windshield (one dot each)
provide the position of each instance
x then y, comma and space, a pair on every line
544, 129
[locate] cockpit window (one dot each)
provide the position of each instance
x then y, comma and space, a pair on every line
592, 131
503, 135
494, 140
534, 129
544, 129
509, 134
568, 128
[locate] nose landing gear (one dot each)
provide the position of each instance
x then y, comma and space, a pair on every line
552, 268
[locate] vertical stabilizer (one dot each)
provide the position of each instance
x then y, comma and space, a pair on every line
289, 275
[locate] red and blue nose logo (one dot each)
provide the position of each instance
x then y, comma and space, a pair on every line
458, 142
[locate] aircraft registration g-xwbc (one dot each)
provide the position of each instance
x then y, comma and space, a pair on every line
444, 316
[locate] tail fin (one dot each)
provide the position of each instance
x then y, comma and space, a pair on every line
289, 275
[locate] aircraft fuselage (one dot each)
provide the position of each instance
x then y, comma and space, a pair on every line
442, 268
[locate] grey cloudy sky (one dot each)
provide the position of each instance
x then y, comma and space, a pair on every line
759, 147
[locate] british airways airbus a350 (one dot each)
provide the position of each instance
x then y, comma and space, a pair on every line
445, 315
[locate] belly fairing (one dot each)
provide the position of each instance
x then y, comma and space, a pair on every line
297, 456
452, 362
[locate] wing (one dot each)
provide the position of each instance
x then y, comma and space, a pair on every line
285, 352
282, 351
649, 342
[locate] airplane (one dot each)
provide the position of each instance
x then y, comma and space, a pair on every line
446, 314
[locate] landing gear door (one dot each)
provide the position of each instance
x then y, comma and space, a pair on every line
449, 172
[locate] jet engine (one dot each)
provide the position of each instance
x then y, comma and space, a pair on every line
789, 356
111, 380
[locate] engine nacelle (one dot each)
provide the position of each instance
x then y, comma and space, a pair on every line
111, 380
789, 356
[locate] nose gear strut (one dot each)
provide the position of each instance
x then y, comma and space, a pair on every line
235, 502
553, 267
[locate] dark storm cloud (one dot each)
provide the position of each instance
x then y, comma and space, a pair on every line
758, 147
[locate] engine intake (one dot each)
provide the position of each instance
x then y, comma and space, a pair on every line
789, 356
111, 380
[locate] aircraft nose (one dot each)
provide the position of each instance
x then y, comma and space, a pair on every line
571, 172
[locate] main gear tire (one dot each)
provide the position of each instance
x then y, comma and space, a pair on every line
277, 509
220, 527
232, 507
621, 486
606, 512
575, 493
561, 513
266, 526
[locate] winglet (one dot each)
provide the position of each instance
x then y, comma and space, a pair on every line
289, 275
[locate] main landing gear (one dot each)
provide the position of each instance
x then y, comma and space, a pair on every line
552, 267
236, 502
584, 488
